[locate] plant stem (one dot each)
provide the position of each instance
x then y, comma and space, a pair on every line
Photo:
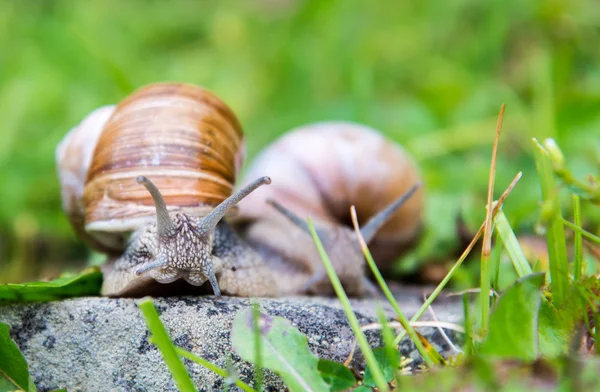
584, 233
352, 320
486, 278
161, 339
221, 372
557, 246
511, 243
577, 273
388, 294
460, 260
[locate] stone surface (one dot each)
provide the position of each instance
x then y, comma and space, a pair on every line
101, 344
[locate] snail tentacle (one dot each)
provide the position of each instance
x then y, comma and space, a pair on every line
295, 219
209, 222
371, 228
164, 224
159, 262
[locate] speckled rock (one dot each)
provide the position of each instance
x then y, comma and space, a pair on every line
101, 344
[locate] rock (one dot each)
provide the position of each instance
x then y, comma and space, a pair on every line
101, 344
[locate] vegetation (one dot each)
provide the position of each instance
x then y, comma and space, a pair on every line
430, 77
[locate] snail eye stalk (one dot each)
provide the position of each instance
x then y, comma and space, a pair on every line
164, 225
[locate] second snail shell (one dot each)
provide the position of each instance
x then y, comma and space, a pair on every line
320, 170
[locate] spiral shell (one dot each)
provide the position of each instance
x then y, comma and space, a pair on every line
320, 170
181, 136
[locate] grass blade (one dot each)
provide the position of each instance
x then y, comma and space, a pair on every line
460, 260
597, 332
577, 267
212, 367
557, 246
160, 338
512, 246
388, 294
352, 320
496, 260
578, 229
388, 339
486, 271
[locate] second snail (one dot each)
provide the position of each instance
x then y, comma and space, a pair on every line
151, 182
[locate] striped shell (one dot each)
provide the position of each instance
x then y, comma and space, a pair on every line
182, 137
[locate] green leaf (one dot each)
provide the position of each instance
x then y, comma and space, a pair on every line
14, 372
554, 330
284, 350
338, 376
88, 282
362, 388
388, 362
514, 321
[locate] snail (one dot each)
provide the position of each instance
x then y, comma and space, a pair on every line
151, 182
320, 170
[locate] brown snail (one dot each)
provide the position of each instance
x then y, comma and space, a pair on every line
150, 180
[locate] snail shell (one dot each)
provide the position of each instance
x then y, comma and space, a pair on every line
73, 156
320, 170
181, 136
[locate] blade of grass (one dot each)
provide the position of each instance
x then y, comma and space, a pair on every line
228, 379
577, 273
460, 260
578, 229
512, 245
597, 332
388, 339
352, 320
388, 294
221, 372
486, 278
557, 246
160, 338
496, 260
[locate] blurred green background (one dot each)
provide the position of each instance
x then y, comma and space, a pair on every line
431, 75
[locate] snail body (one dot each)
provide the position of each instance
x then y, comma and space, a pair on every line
150, 180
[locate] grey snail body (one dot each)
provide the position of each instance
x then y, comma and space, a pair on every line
151, 183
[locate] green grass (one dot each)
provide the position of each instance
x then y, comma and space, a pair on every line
352, 320
427, 357
161, 339
430, 76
